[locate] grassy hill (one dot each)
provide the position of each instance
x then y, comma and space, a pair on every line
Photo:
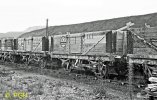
10, 34
109, 24
17, 34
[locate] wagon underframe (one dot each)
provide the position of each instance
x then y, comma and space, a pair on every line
140, 59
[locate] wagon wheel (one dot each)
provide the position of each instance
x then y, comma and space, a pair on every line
12, 59
43, 64
147, 70
121, 71
66, 65
58, 63
69, 66
104, 71
120, 68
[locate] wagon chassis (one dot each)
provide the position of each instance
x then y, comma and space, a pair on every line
131, 58
108, 57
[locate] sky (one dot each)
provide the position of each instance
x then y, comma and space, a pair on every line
17, 15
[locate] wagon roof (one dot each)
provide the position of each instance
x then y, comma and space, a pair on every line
110, 24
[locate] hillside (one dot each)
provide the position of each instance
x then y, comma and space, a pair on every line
29, 29
109, 24
17, 34
10, 34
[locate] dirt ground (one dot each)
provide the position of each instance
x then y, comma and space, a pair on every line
25, 85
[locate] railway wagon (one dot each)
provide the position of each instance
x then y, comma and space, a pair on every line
91, 43
110, 46
135, 41
142, 46
143, 41
87, 43
79, 47
8, 44
34, 44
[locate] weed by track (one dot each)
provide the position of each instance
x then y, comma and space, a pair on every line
80, 78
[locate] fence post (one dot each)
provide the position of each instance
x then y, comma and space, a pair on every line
130, 77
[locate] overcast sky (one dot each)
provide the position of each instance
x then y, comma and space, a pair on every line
17, 15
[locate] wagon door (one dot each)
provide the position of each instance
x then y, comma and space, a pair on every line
129, 43
9, 44
51, 44
15, 47
75, 44
45, 44
37, 44
121, 42
21, 44
3, 44
111, 42
28, 44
